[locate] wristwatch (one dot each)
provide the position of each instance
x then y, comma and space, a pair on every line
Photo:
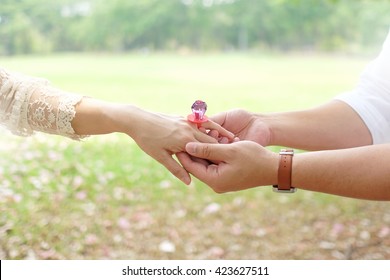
284, 172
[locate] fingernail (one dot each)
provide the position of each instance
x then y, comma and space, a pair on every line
223, 140
187, 181
191, 148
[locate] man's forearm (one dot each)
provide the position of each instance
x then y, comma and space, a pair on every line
331, 126
362, 172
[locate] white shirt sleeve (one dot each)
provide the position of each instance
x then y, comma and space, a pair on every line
371, 98
30, 104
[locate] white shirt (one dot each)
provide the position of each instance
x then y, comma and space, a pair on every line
371, 98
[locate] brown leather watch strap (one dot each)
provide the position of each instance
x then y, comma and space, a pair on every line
284, 172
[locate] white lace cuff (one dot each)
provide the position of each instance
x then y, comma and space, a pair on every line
28, 104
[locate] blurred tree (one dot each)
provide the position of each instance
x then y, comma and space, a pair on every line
30, 26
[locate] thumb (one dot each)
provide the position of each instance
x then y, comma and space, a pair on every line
213, 152
219, 118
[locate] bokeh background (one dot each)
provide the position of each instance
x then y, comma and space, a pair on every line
103, 198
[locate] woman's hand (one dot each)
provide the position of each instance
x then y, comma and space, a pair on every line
161, 136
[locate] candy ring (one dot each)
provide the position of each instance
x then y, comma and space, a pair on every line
198, 116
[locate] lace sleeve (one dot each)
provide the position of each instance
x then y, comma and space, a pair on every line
29, 104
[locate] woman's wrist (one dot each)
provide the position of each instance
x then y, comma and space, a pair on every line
95, 117
123, 118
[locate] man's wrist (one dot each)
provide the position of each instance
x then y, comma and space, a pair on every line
268, 121
285, 172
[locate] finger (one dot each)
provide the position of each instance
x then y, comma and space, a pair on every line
219, 118
222, 131
201, 169
176, 169
214, 134
205, 138
223, 140
200, 160
213, 152
195, 166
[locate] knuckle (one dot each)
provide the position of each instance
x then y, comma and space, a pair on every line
206, 151
176, 171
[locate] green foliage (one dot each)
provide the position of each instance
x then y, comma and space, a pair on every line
30, 26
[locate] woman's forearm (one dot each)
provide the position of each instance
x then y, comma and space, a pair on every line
331, 126
362, 172
94, 117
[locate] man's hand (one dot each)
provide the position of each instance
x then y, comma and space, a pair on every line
241, 165
244, 125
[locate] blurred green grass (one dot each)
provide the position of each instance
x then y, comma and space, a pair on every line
257, 82
104, 198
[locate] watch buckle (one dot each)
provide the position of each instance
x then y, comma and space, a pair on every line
276, 189
286, 152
